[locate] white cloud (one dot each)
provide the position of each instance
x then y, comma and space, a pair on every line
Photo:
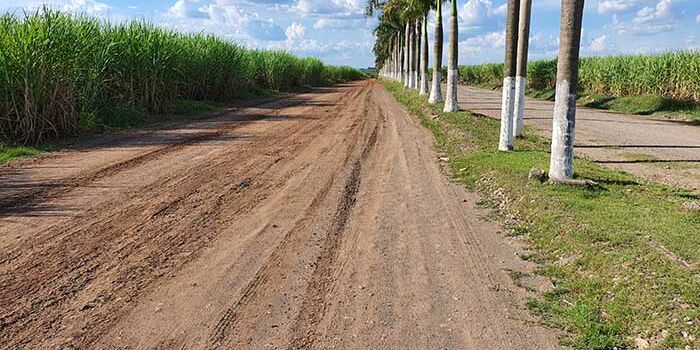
599, 44
187, 9
223, 18
650, 14
91, 7
612, 6
480, 13
334, 8
491, 40
649, 20
697, 19
338, 24
294, 32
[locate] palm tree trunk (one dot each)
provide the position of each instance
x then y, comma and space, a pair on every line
436, 90
521, 74
505, 142
452, 59
424, 77
564, 123
414, 57
402, 59
407, 40
397, 58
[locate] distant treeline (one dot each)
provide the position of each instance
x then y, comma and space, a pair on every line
60, 72
673, 75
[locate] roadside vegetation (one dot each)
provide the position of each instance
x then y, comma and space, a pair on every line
62, 74
9, 152
667, 84
623, 257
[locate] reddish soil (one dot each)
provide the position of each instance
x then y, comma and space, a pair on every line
322, 220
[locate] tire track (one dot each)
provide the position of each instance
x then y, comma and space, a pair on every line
313, 305
263, 280
27, 199
117, 248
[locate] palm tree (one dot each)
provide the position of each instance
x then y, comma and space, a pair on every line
435, 91
564, 123
505, 142
424, 78
409, 56
521, 73
397, 57
407, 16
452, 69
419, 50
414, 53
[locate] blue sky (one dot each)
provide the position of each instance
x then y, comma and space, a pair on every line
337, 31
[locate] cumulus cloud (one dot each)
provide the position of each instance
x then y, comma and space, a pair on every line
184, 9
224, 18
91, 7
649, 20
613, 6
480, 47
338, 24
333, 8
294, 32
481, 13
599, 44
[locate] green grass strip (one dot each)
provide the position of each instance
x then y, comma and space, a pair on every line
9, 152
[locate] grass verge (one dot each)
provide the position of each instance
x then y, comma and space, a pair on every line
656, 106
9, 152
624, 259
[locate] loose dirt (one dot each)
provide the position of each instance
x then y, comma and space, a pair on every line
658, 150
319, 221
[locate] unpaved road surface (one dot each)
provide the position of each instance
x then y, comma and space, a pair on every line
658, 150
318, 221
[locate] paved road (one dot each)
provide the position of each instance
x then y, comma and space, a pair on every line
663, 151
318, 221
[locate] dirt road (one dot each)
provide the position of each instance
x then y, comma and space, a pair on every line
663, 151
321, 221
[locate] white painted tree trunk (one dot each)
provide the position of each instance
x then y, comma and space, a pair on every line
424, 84
506, 137
521, 73
451, 104
451, 98
414, 58
407, 54
561, 165
505, 141
397, 70
436, 89
410, 58
519, 109
424, 78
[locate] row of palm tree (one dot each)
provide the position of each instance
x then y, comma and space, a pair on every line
402, 46
402, 54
